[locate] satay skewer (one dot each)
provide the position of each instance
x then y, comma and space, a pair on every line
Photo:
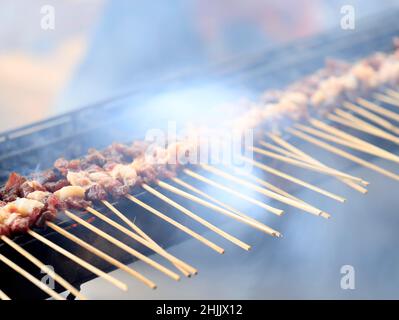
266, 192
362, 146
306, 157
342, 153
188, 270
301, 164
283, 192
251, 222
123, 246
378, 109
280, 150
387, 99
359, 125
371, 117
117, 283
197, 218
237, 194
3, 296
176, 224
205, 195
32, 279
102, 255
141, 233
219, 203
43, 267
288, 177
392, 93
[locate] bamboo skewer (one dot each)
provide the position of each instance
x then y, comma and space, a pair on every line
292, 179
372, 117
276, 196
233, 192
378, 109
3, 296
306, 157
202, 221
31, 278
386, 99
360, 125
392, 93
362, 145
44, 268
301, 164
126, 220
123, 246
279, 150
102, 255
178, 225
343, 153
284, 193
117, 283
205, 195
357, 141
141, 233
188, 270
221, 204
251, 222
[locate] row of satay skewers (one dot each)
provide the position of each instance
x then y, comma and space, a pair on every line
364, 116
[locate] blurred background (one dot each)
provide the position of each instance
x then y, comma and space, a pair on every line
99, 48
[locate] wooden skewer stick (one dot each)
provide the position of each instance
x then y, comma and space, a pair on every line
221, 204
266, 192
117, 283
357, 142
44, 268
301, 164
354, 143
314, 162
378, 109
387, 99
284, 193
392, 93
178, 225
371, 117
251, 222
202, 221
125, 219
358, 124
292, 179
237, 194
144, 242
306, 157
102, 255
279, 149
31, 278
205, 195
3, 296
123, 246
343, 153
141, 233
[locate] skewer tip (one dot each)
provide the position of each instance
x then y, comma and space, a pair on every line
325, 215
